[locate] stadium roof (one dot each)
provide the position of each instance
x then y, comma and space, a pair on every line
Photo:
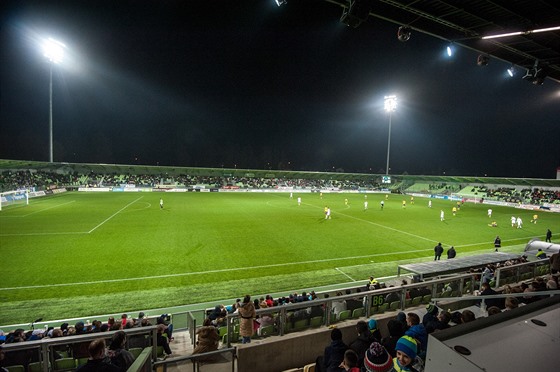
444, 267
464, 23
85, 168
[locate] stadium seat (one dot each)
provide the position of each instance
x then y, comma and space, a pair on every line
358, 313
301, 324
373, 310
395, 305
426, 299
16, 368
35, 367
81, 361
382, 308
316, 321
134, 351
64, 364
222, 331
416, 301
309, 367
343, 315
267, 330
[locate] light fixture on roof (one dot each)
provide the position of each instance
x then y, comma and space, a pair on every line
537, 73
522, 32
482, 60
449, 51
403, 34
511, 71
281, 2
356, 13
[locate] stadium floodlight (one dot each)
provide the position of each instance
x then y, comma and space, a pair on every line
54, 51
390, 107
449, 51
281, 2
511, 71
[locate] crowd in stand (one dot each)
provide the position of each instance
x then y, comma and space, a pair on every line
115, 353
40, 180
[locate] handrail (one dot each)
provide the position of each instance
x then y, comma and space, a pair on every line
194, 358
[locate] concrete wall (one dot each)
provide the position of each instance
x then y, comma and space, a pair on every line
275, 354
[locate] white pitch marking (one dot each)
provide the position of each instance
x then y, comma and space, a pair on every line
114, 214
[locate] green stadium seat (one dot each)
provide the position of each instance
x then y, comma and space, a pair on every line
301, 324
16, 368
358, 313
426, 299
64, 364
135, 351
395, 305
267, 330
382, 308
343, 315
416, 301
316, 321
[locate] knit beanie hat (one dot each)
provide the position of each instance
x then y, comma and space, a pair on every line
407, 345
372, 324
431, 308
377, 359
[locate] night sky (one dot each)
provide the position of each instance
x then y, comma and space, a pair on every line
247, 84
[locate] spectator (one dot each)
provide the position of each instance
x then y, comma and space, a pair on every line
338, 306
468, 316
392, 296
116, 351
247, 314
377, 359
350, 361
372, 326
407, 359
493, 310
353, 304
333, 355
442, 322
97, 362
164, 319
418, 332
511, 303
431, 314
162, 340
396, 331
487, 291
362, 342
208, 339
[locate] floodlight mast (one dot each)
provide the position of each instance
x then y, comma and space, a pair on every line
390, 107
54, 52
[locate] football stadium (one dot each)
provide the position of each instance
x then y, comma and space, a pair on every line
220, 192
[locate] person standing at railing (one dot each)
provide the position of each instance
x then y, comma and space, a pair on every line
246, 313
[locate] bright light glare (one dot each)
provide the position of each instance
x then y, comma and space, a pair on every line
522, 32
54, 50
390, 103
510, 71
449, 51
281, 2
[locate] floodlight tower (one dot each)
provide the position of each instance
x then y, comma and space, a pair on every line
53, 51
390, 106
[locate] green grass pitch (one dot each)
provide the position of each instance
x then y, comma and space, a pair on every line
79, 254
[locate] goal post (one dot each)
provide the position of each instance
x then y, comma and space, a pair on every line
14, 197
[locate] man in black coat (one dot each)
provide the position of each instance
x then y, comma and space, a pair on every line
438, 250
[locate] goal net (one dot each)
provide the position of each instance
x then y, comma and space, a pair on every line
17, 197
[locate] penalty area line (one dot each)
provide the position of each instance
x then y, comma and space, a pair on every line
343, 273
114, 214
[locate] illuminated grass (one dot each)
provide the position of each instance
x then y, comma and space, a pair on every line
79, 254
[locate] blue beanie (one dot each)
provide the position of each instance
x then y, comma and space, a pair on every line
407, 345
372, 324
